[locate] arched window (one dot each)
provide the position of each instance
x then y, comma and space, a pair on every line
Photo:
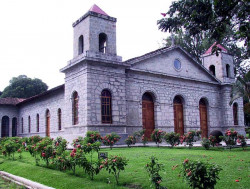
75, 108
5, 126
37, 122
14, 127
59, 114
106, 103
102, 42
22, 124
212, 69
228, 70
80, 45
235, 113
29, 124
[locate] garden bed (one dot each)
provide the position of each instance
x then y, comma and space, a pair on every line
235, 165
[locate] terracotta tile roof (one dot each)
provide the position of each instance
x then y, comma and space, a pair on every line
10, 101
209, 51
60, 87
97, 9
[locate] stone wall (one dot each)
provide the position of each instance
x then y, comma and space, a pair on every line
164, 89
102, 77
11, 112
51, 102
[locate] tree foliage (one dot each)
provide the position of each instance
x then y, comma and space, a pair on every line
24, 87
213, 16
202, 22
241, 88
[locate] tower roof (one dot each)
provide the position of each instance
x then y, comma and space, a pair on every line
98, 10
209, 51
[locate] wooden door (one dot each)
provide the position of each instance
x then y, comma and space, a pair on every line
203, 120
178, 118
148, 116
47, 123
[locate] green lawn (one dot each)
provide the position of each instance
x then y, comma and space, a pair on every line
235, 164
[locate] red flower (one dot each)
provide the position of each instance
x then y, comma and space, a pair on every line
43, 154
101, 166
159, 181
186, 161
163, 14
237, 181
189, 173
78, 146
74, 150
57, 144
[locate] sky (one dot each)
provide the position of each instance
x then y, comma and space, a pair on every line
36, 36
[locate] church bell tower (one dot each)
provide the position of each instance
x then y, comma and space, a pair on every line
94, 33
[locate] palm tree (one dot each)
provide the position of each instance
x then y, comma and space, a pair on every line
241, 88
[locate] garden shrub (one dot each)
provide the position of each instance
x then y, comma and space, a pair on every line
90, 167
206, 143
157, 136
212, 139
189, 137
92, 137
200, 175
10, 147
153, 168
241, 140
114, 165
60, 145
172, 138
46, 150
144, 140
77, 141
110, 139
230, 137
130, 140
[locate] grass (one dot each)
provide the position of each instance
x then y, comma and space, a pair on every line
235, 164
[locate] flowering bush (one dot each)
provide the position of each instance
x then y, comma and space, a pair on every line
10, 147
92, 137
230, 137
172, 138
241, 140
157, 136
212, 139
60, 145
77, 141
206, 143
190, 137
153, 168
114, 165
33, 139
199, 174
46, 150
130, 140
144, 139
110, 139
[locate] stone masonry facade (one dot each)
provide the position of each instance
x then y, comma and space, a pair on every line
155, 73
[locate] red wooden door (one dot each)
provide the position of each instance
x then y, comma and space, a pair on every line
48, 124
148, 117
203, 120
178, 118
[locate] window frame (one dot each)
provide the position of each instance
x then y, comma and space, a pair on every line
106, 107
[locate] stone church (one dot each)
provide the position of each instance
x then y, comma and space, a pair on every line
164, 89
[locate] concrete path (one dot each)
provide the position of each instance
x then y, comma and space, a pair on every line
23, 181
